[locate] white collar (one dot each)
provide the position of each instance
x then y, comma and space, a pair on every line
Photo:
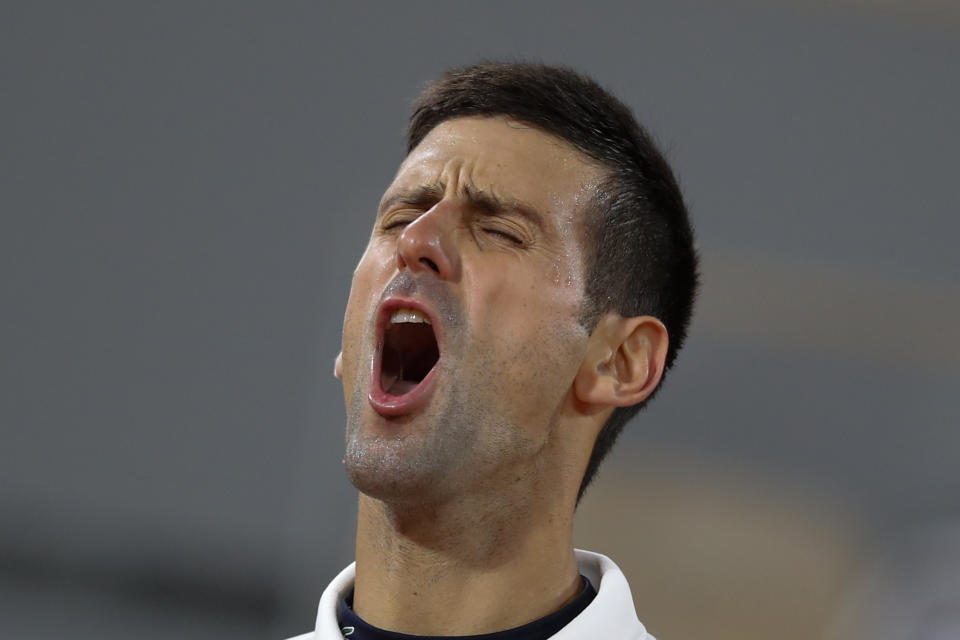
611, 615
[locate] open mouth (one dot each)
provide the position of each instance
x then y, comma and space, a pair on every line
409, 353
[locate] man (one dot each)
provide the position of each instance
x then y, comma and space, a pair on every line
529, 278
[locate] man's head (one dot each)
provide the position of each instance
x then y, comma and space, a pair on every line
542, 235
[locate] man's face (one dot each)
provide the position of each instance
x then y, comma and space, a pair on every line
461, 337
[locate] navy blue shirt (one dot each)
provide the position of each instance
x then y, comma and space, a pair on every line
353, 628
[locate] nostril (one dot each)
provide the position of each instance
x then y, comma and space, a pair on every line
430, 263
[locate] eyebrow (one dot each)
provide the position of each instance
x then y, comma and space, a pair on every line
426, 196
423, 196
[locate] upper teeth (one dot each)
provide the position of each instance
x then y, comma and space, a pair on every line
408, 315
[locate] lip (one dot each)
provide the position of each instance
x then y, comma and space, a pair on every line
382, 402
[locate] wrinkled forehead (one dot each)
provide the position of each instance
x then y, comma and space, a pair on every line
507, 158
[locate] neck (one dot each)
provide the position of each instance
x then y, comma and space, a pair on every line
461, 567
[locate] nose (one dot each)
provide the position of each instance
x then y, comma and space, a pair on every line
427, 243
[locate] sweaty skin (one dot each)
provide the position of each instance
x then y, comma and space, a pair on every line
467, 500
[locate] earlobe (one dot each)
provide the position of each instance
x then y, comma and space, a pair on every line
624, 361
338, 366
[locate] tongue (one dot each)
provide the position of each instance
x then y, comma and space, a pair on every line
402, 387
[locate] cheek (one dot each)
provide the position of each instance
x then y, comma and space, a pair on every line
536, 346
364, 292
526, 306
529, 377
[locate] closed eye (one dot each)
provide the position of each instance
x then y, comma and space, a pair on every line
503, 234
397, 222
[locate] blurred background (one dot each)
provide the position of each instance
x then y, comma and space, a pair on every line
186, 187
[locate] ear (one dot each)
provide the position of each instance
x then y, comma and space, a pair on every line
624, 361
338, 366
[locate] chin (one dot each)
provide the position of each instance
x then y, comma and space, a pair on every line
398, 489
398, 468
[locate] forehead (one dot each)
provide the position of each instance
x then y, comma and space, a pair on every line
505, 157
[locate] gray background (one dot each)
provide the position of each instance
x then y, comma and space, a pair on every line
185, 189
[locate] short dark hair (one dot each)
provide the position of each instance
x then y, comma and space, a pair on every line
639, 246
